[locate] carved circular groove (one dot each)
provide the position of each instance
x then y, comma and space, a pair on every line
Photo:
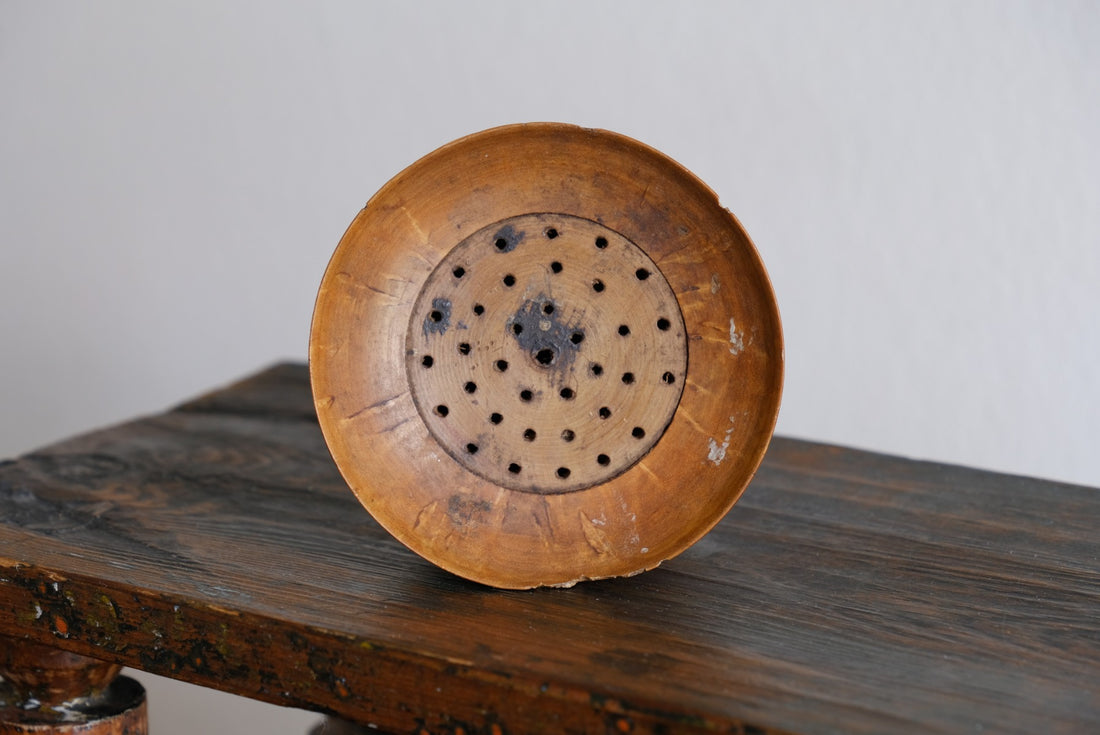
533, 357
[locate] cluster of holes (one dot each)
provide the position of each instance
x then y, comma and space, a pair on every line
546, 357
530, 435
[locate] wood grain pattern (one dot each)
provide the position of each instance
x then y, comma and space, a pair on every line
615, 238
846, 592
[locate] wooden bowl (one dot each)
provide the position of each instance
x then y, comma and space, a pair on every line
543, 354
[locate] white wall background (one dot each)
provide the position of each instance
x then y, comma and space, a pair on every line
922, 180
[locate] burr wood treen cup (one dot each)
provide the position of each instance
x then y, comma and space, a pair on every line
543, 354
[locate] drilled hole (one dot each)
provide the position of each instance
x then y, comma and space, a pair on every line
641, 274
567, 394
628, 378
501, 365
442, 411
563, 472
436, 316
479, 309
668, 378
555, 266
464, 348
576, 338
459, 272
551, 233
495, 418
638, 433
509, 280
603, 459
514, 468
605, 412
663, 324
545, 356
568, 435
624, 330
596, 368
501, 244
427, 361
547, 308
597, 285
471, 448
529, 435
470, 387
517, 328
601, 242
526, 395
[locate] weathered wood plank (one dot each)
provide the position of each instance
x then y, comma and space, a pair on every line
846, 592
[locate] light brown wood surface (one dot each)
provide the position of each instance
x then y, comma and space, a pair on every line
543, 354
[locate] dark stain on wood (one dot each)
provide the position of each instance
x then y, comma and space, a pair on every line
847, 591
438, 320
540, 331
467, 511
507, 239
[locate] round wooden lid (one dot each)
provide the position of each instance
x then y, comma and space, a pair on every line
543, 354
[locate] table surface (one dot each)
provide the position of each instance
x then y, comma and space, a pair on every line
846, 592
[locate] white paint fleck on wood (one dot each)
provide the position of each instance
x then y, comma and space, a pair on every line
737, 339
716, 452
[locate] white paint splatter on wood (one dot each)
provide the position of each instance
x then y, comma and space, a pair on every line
737, 339
716, 452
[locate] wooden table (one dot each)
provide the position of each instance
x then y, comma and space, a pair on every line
846, 592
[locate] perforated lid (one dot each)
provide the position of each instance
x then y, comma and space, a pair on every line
544, 354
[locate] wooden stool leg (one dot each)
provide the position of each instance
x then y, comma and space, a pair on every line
48, 691
336, 726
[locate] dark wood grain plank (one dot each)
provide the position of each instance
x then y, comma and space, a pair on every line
846, 592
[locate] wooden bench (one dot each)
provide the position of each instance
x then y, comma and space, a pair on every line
846, 592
